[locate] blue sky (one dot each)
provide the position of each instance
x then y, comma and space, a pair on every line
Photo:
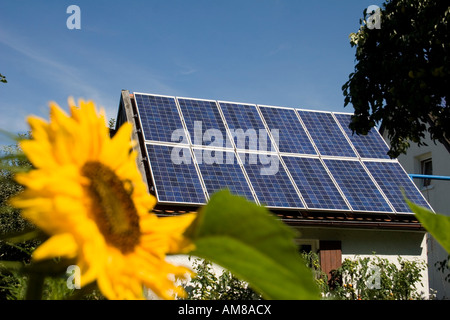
289, 53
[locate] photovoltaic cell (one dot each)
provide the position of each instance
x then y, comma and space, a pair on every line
292, 138
203, 116
371, 145
392, 179
223, 172
358, 188
246, 127
314, 183
160, 118
175, 180
270, 182
326, 134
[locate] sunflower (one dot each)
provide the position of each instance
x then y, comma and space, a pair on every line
85, 191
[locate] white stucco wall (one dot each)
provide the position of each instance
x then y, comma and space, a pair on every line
438, 196
387, 244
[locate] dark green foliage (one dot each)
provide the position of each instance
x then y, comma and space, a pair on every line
10, 219
312, 262
402, 73
208, 286
354, 280
357, 279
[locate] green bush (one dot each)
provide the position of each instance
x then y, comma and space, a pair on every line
355, 280
208, 286
375, 278
313, 262
10, 219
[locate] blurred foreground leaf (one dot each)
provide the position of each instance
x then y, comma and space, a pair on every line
251, 243
437, 225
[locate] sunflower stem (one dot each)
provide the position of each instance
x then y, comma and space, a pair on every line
35, 286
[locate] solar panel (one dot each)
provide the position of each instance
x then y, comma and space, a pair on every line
174, 175
221, 169
315, 184
393, 179
204, 123
326, 134
270, 181
318, 164
292, 138
247, 129
358, 188
371, 145
160, 118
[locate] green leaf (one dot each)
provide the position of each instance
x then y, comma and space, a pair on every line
436, 224
11, 265
21, 236
10, 135
250, 242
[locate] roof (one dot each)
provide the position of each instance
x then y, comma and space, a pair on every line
293, 216
323, 220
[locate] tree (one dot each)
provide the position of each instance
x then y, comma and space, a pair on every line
11, 221
402, 75
3, 78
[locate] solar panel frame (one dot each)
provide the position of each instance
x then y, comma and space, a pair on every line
385, 180
259, 128
351, 186
345, 148
193, 173
218, 122
330, 188
300, 137
230, 169
368, 146
154, 135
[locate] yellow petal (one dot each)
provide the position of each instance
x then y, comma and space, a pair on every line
61, 245
172, 229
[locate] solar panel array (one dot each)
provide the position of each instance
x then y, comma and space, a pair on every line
284, 158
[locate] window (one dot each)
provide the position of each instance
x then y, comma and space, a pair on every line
329, 253
307, 246
308, 249
426, 167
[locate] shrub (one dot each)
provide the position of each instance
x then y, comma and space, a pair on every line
377, 278
208, 286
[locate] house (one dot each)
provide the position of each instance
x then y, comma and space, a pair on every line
431, 159
341, 192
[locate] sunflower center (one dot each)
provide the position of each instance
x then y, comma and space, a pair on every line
112, 207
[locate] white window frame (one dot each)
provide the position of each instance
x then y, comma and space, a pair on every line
310, 242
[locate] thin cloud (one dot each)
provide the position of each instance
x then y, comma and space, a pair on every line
82, 82
188, 71
280, 48
64, 75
